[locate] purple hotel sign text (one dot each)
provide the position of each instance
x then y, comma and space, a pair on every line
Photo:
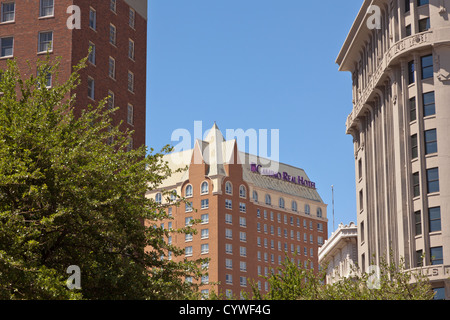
282, 176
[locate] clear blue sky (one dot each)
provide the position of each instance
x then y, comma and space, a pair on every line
261, 64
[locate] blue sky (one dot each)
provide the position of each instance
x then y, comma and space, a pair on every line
258, 64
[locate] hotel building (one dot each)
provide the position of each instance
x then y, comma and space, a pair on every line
249, 221
115, 30
400, 124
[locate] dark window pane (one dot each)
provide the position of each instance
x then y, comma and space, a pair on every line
414, 150
412, 107
427, 67
430, 141
434, 215
433, 180
411, 69
436, 256
429, 104
418, 221
416, 184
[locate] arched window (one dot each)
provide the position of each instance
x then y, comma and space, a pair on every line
242, 192
255, 196
158, 198
205, 187
281, 203
268, 199
173, 195
319, 212
307, 209
228, 188
189, 191
294, 206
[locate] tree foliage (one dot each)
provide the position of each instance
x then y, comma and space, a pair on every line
72, 193
391, 282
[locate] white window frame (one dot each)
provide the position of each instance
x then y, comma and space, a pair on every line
1, 47
130, 114
91, 88
93, 18
130, 81
131, 51
112, 34
40, 42
3, 12
91, 57
132, 18
112, 68
41, 9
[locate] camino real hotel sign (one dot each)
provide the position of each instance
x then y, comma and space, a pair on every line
258, 169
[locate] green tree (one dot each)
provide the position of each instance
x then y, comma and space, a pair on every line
391, 282
72, 193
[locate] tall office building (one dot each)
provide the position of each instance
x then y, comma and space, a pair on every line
251, 218
400, 123
114, 29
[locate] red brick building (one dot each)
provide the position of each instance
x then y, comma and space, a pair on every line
115, 29
249, 220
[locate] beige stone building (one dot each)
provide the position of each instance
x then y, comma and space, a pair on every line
400, 123
340, 253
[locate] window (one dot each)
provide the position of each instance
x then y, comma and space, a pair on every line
414, 147
319, 212
434, 217
242, 222
243, 266
228, 204
91, 57
255, 196
113, 5
268, 199
112, 68
229, 264
427, 67
228, 188
294, 206
243, 236
407, 6
158, 198
130, 114
361, 200
242, 207
130, 81
243, 251
281, 203
92, 19
188, 207
307, 209
205, 203
112, 34
130, 144
411, 75
204, 218
418, 222
229, 279
45, 41
243, 281
6, 46
412, 109
189, 191
419, 258
422, 2
437, 256
408, 30
362, 230
48, 78
242, 192
205, 248
430, 141
429, 104
229, 234
8, 11
132, 18
433, 180
228, 218
131, 49
188, 251
188, 222
424, 24
204, 188
416, 184
46, 8
360, 168
91, 88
